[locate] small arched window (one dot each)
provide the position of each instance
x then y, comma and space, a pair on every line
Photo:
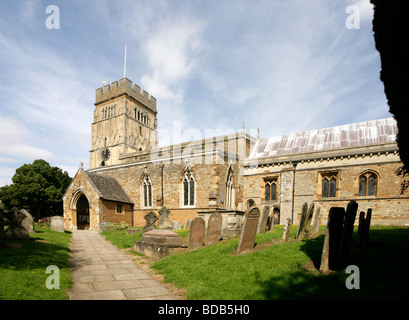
270, 191
329, 185
229, 189
147, 192
368, 184
188, 189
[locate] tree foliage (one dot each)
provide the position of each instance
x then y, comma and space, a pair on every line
391, 33
38, 188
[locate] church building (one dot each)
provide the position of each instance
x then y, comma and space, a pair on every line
130, 175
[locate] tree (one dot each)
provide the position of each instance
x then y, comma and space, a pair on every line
38, 188
391, 33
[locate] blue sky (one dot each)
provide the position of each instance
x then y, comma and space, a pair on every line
282, 66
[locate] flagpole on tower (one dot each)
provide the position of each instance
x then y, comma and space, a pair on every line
125, 62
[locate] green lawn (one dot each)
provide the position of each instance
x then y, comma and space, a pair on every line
23, 266
286, 270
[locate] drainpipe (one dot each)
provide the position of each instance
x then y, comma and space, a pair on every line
292, 200
161, 169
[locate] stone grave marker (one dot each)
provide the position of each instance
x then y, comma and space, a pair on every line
317, 221
57, 224
28, 221
348, 229
264, 219
197, 233
304, 234
286, 229
164, 221
363, 229
330, 251
150, 218
303, 219
187, 224
16, 231
214, 228
248, 234
176, 225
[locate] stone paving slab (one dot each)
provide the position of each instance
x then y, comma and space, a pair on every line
102, 272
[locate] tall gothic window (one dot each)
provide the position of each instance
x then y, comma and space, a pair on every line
147, 192
229, 189
270, 191
188, 189
368, 183
329, 185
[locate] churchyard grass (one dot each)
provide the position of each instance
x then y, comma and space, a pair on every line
23, 266
277, 270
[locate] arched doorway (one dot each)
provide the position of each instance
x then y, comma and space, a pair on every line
82, 213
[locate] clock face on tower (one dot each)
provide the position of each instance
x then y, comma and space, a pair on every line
105, 153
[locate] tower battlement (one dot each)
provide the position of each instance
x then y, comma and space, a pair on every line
121, 87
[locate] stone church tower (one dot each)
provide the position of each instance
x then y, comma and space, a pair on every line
125, 122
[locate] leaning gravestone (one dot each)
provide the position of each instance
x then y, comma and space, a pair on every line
363, 229
187, 224
264, 219
303, 219
57, 224
304, 234
150, 218
248, 234
1, 225
214, 228
164, 221
176, 225
196, 233
28, 221
16, 231
317, 221
330, 251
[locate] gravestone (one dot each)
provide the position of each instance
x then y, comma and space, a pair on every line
1, 225
263, 220
57, 224
330, 251
28, 221
197, 233
248, 234
304, 234
176, 225
214, 228
286, 229
150, 218
303, 219
317, 221
16, 231
158, 243
164, 221
348, 229
363, 229
187, 224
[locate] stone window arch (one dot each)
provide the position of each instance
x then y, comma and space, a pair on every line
230, 190
329, 184
188, 188
368, 183
146, 191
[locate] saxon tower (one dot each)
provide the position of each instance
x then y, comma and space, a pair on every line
125, 122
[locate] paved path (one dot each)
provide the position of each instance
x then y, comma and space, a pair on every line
102, 272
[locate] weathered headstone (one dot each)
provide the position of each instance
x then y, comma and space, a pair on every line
330, 251
28, 221
150, 218
363, 229
158, 243
1, 225
214, 228
248, 234
317, 221
16, 231
263, 220
176, 225
187, 224
197, 233
164, 222
286, 229
348, 229
360, 228
304, 234
57, 224
302, 220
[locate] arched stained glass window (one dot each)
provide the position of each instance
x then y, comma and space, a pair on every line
329, 185
368, 183
147, 192
229, 189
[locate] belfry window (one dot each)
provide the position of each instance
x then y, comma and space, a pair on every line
147, 192
368, 183
188, 189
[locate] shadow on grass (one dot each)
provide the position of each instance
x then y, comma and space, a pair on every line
383, 271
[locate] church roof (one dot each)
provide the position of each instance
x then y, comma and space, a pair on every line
108, 188
345, 136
